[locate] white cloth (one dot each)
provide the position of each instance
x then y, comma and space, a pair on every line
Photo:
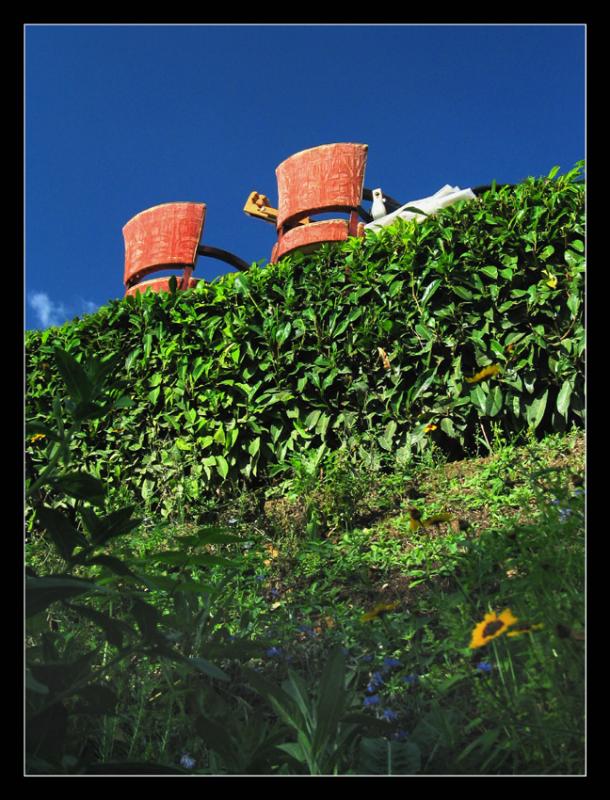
446, 196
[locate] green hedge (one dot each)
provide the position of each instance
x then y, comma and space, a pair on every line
227, 380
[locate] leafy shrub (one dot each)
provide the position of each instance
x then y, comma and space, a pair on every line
419, 334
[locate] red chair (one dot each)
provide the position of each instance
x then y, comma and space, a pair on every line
167, 236
314, 181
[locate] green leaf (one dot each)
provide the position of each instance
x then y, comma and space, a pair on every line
429, 291
493, 403
330, 701
491, 272
81, 486
384, 757
41, 592
322, 425
448, 427
241, 284
283, 333
113, 629
65, 537
147, 345
209, 669
461, 292
74, 376
222, 466
117, 523
535, 410
563, 398
311, 420
123, 402
113, 564
281, 702
215, 535
479, 399
386, 440
147, 618
293, 749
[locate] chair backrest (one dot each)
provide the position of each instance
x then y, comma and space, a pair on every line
325, 178
160, 237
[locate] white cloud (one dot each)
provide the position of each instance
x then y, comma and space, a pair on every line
88, 307
49, 313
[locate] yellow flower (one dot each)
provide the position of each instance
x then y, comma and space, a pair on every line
520, 629
380, 608
486, 372
430, 427
493, 625
37, 436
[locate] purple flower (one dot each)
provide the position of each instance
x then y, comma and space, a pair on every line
187, 762
372, 700
389, 714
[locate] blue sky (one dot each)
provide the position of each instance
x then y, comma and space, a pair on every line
119, 118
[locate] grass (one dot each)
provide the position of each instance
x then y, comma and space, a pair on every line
322, 549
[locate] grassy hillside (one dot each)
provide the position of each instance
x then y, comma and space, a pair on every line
326, 517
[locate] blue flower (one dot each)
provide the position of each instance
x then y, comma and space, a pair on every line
564, 513
375, 682
485, 667
274, 652
373, 700
391, 662
260, 577
400, 735
410, 679
366, 658
274, 593
187, 762
389, 714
